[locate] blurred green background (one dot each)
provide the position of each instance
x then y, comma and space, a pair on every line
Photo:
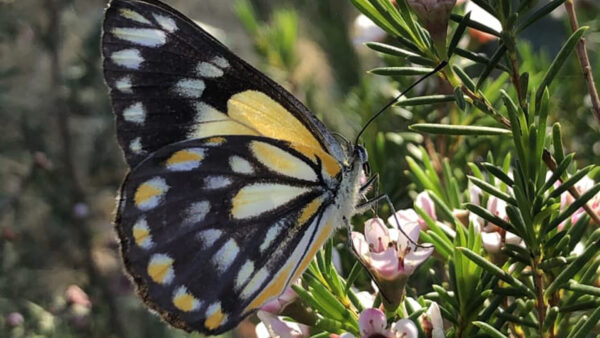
60, 166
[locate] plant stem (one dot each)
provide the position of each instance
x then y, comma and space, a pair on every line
540, 302
584, 61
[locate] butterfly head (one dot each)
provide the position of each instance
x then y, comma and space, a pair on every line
361, 156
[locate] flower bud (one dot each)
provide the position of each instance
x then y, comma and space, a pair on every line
434, 14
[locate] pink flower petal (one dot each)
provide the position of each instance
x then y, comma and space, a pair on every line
385, 264
497, 207
411, 230
425, 202
405, 328
415, 257
372, 321
405, 216
491, 242
360, 245
280, 328
377, 234
435, 315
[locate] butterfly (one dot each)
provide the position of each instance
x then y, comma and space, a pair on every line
234, 185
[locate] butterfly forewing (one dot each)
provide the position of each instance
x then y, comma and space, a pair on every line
211, 229
171, 81
234, 184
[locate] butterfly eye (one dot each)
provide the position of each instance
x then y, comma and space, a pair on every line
367, 169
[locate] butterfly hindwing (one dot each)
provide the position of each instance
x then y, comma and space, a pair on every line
171, 81
213, 228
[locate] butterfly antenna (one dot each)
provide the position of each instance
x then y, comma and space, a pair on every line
435, 70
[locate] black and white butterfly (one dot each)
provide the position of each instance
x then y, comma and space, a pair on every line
234, 185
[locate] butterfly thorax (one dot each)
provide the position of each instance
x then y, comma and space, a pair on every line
348, 193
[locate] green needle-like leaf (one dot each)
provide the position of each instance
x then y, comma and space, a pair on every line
587, 327
572, 268
558, 62
449, 129
540, 13
490, 330
458, 33
429, 99
492, 190
400, 71
503, 275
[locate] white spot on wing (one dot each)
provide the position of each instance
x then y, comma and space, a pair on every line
165, 22
244, 273
240, 165
208, 70
124, 85
255, 283
135, 113
150, 193
216, 182
136, 145
225, 256
206, 112
148, 37
220, 61
197, 212
213, 308
270, 236
190, 88
133, 15
208, 237
141, 234
128, 58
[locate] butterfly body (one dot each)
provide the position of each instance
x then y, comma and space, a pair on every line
234, 185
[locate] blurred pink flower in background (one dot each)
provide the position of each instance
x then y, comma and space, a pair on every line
566, 199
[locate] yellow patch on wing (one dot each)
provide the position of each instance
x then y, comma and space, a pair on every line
255, 199
254, 113
214, 141
309, 210
184, 156
331, 167
215, 318
160, 269
141, 234
184, 301
282, 162
322, 236
273, 289
150, 193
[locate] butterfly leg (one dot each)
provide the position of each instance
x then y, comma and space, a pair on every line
364, 207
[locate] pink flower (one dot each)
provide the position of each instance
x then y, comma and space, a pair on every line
389, 252
566, 199
373, 324
432, 322
390, 255
424, 202
434, 14
273, 326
